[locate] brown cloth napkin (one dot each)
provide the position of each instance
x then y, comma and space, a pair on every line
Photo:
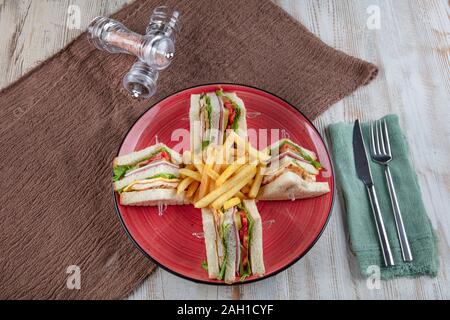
62, 124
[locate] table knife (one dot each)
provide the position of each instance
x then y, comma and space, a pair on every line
365, 175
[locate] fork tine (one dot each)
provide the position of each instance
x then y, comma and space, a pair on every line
386, 136
377, 139
372, 138
381, 138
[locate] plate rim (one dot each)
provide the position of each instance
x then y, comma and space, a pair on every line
284, 268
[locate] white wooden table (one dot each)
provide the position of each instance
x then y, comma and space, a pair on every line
410, 44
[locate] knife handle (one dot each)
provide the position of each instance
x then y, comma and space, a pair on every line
382, 235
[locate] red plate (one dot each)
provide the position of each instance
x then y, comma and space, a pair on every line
290, 228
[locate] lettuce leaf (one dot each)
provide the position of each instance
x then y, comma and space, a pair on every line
164, 175
223, 267
251, 222
120, 171
247, 271
205, 143
205, 266
245, 276
315, 163
244, 273
208, 109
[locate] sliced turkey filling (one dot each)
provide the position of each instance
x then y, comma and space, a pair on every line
160, 154
158, 182
289, 162
287, 146
157, 163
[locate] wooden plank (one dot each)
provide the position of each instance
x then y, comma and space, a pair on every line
34, 30
412, 49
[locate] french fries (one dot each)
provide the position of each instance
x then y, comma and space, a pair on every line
237, 181
240, 195
212, 174
256, 183
218, 203
192, 188
246, 189
221, 176
235, 166
192, 174
184, 184
205, 181
198, 164
253, 153
204, 185
215, 172
196, 197
231, 203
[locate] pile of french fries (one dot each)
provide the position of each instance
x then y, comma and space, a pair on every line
223, 175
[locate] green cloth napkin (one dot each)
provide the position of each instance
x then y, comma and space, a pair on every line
361, 225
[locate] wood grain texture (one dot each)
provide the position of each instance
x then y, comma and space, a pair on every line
412, 49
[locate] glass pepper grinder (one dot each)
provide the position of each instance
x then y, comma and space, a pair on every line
155, 50
141, 80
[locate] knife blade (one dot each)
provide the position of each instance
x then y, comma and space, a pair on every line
361, 160
365, 175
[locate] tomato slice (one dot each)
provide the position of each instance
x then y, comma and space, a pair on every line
244, 223
244, 239
245, 242
244, 256
231, 112
231, 118
160, 156
228, 104
165, 155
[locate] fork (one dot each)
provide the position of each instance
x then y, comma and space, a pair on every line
381, 153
